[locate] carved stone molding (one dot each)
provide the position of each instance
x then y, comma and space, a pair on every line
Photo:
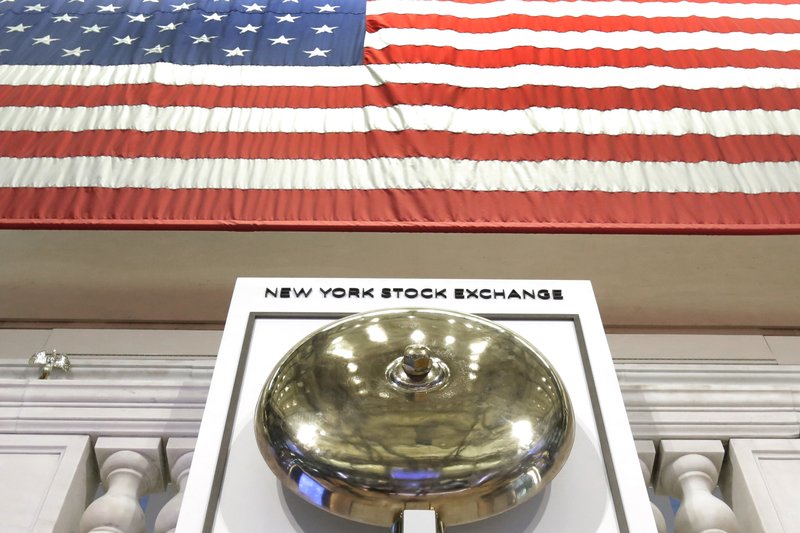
710, 401
165, 396
110, 396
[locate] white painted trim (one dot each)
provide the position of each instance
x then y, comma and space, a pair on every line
750, 495
73, 480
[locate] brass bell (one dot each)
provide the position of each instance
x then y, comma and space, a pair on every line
388, 412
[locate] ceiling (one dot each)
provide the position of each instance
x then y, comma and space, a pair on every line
185, 278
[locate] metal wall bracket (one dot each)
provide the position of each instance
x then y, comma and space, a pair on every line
47, 361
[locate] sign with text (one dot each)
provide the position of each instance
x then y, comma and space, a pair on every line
414, 293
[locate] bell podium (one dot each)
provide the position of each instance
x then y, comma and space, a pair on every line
231, 489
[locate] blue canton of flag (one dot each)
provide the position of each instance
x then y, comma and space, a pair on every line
240, 32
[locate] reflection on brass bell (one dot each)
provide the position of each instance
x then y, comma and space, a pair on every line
414, 409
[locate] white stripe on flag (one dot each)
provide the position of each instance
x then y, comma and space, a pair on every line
403, 117
621, 40
407, 173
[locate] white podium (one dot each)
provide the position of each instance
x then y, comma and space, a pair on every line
231, 490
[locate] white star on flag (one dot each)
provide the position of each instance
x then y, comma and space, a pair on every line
45, 40
235, 52
124, 40
3, 2
18, 28
253, 7
169, 27
3, 50
316, 52
157, 49
324, 29
213, 16
281, 40
249, 28
37, 8
203, 38
93, 29
327, 8
66, 17
74, 52
287, 18
110, 8
182, 7
141, 17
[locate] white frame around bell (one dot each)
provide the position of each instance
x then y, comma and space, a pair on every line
251, 307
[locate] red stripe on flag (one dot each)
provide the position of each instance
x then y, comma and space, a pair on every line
596, 57
783, 2
582, 23
401, 210
661, 98
409, 143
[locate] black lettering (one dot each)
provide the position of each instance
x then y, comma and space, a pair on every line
458, 294
397, 292
412, 293
353, 292
486, 294
286, 292
528, 294
367, 293
426, 293
499, 294
386, 293
339, 292
513, 294
472, 293
544, 294
325, 292
557, 294
440, 293
305, 293
271, 292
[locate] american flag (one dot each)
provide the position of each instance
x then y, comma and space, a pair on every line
508, 115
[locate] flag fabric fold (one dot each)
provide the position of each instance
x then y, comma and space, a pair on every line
410, 115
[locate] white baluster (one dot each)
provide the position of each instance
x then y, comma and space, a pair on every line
647, 455
179, 457
689, 472
129, 469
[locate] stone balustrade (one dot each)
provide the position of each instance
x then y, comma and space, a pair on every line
129, 469
686, 470
698, 425
180, 452
689, 472
647, 454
